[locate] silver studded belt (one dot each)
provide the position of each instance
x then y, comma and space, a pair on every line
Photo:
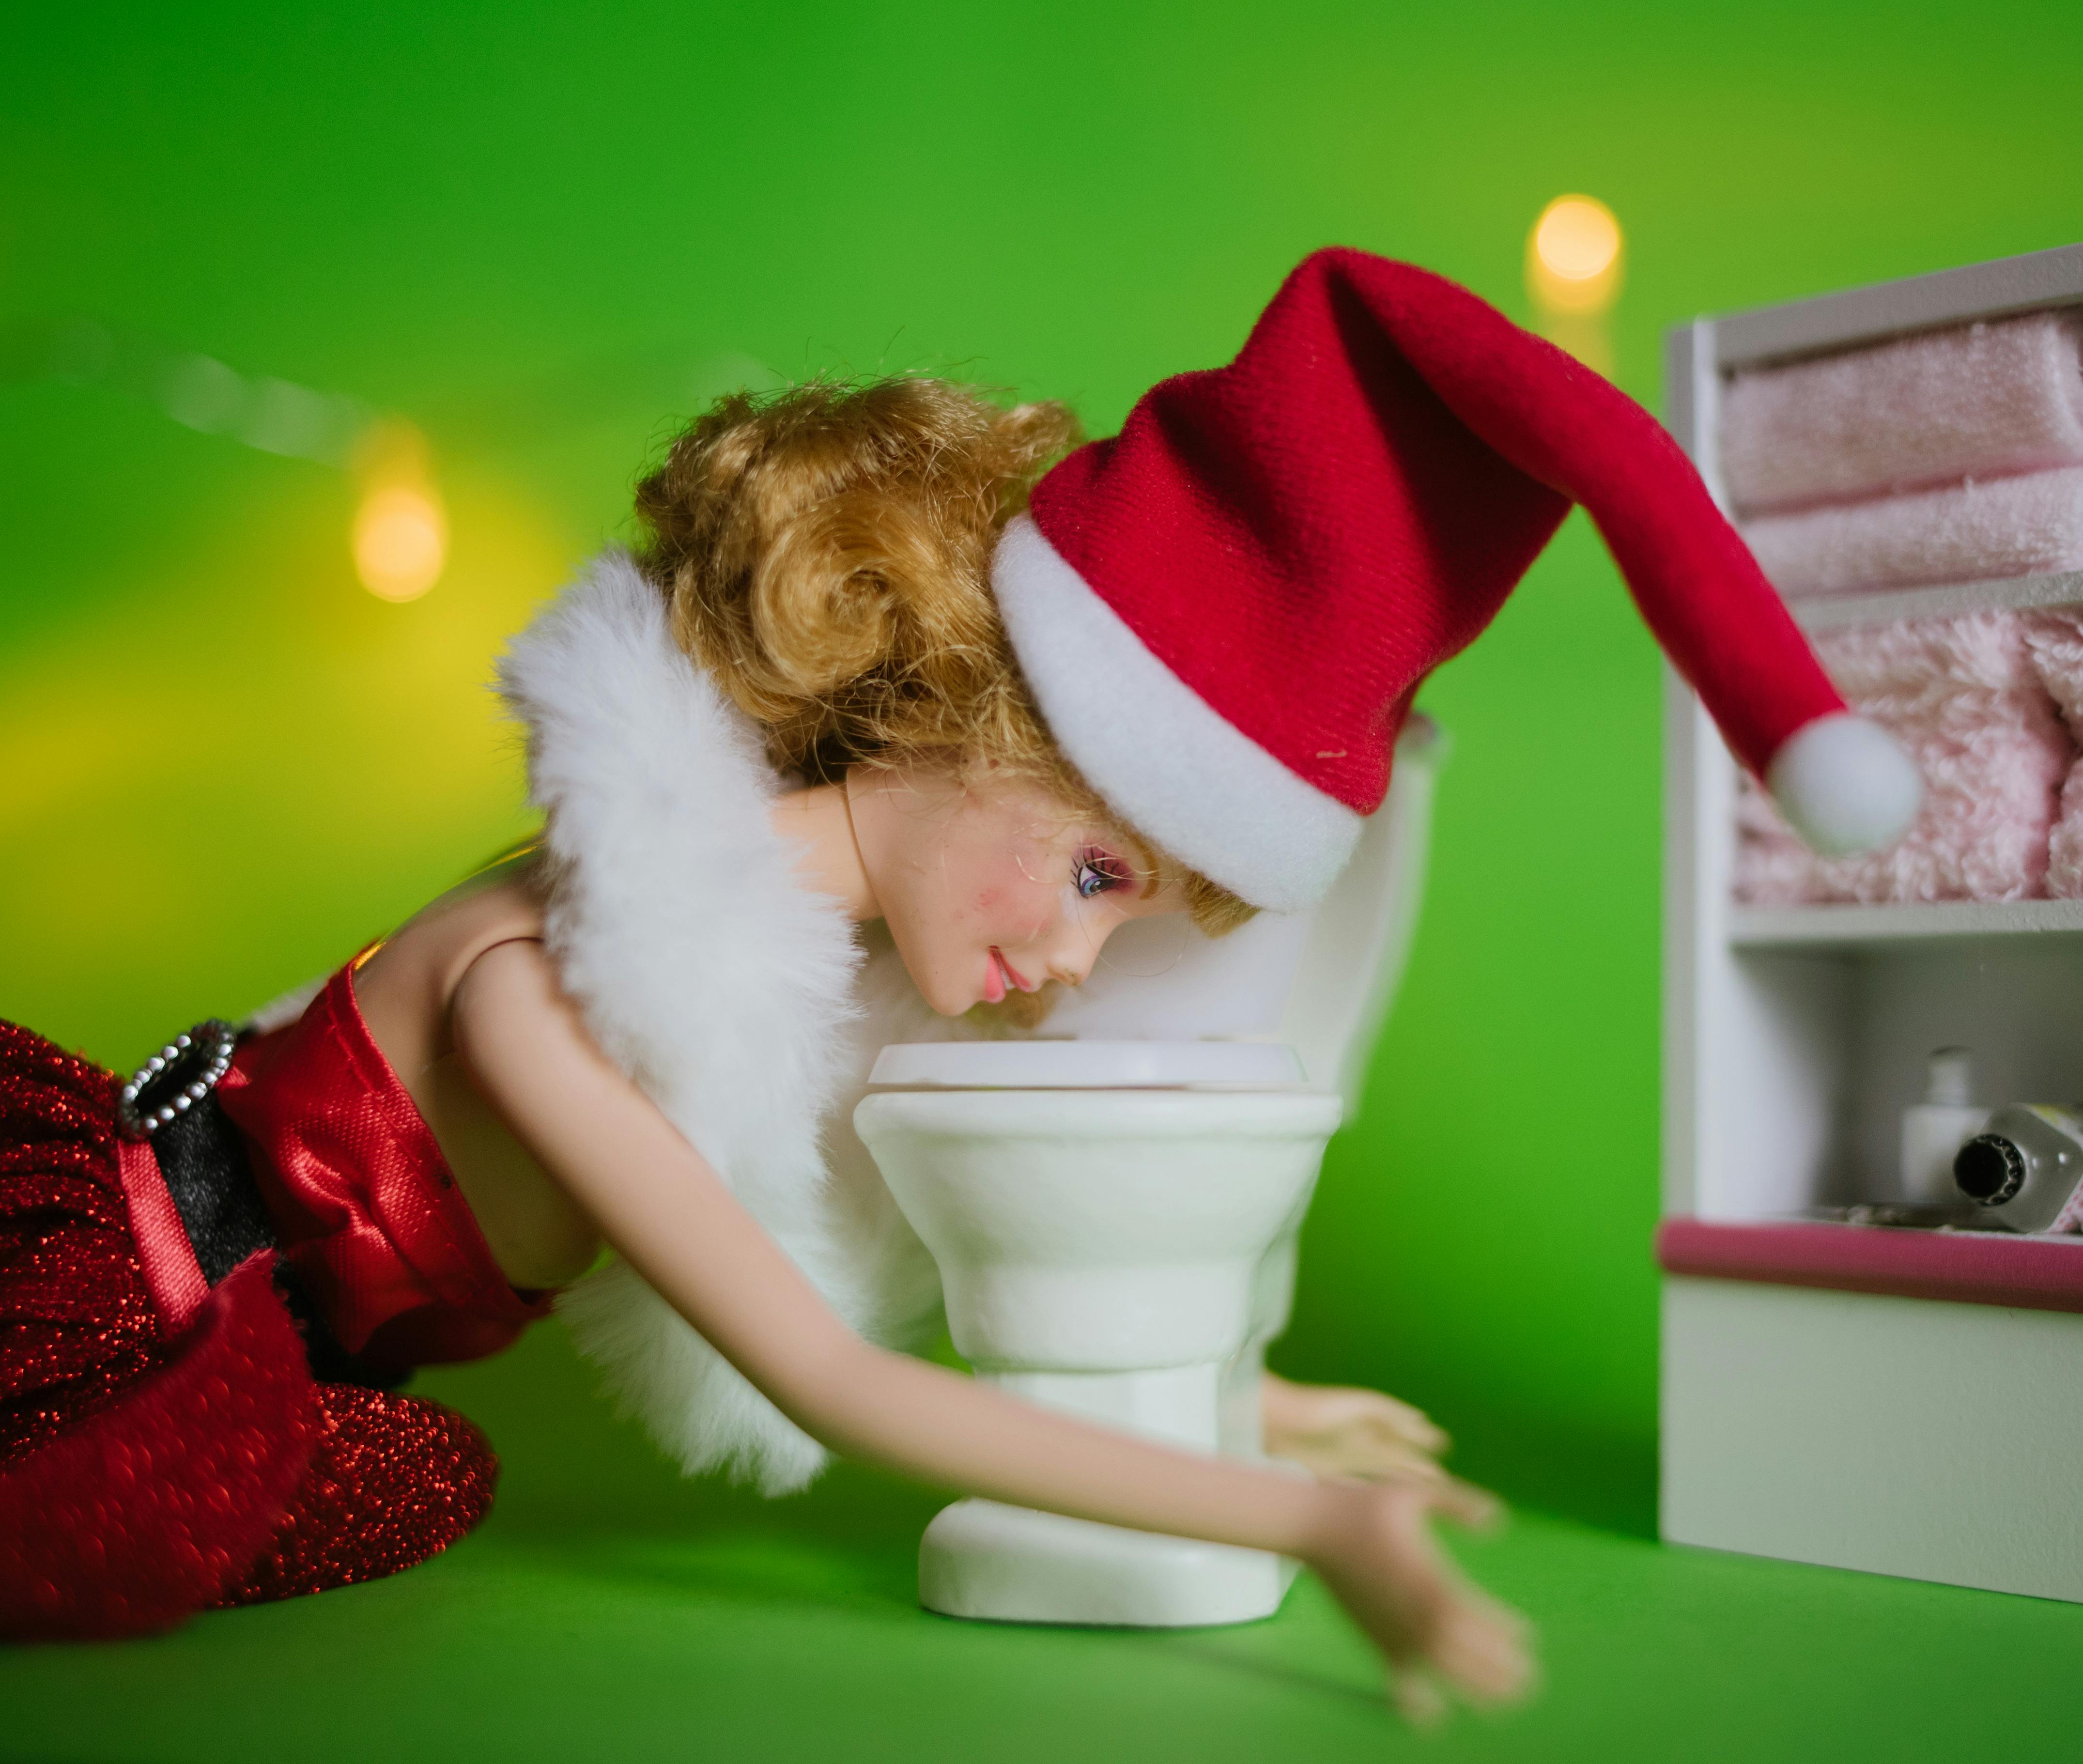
176, 1078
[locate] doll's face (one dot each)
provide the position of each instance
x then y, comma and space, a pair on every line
990, 886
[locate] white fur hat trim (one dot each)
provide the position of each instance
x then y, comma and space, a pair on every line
1169, 764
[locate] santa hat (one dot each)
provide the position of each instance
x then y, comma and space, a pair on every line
1225, 611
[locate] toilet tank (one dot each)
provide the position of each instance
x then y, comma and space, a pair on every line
1321, 981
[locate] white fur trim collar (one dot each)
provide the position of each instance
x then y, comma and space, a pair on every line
711, 977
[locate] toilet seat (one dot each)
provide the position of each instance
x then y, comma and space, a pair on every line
1087, 1065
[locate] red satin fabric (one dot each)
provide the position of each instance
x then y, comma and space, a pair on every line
368, 1212
176, 1277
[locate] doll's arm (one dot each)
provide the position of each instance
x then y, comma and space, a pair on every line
1339, 1431
657, 1199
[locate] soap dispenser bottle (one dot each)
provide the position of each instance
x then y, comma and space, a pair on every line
1934, 1130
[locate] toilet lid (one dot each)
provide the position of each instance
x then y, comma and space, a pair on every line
1087, 1065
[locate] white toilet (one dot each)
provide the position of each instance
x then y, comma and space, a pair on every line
1114, 1206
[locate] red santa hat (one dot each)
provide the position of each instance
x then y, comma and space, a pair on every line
1225, 611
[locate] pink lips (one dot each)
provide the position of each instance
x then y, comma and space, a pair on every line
1001, 977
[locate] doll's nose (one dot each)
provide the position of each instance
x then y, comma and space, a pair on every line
1068, 958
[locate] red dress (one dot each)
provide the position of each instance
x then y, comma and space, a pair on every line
163, 1445
364, 1205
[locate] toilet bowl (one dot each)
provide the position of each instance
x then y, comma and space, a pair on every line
1113, 1205
1098, 1244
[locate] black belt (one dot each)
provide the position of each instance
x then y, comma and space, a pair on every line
204, 1160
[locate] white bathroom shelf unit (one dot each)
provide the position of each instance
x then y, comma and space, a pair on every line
1896, 1401
1831, 612
1851, 928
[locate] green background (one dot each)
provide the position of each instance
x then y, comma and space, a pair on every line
547, 234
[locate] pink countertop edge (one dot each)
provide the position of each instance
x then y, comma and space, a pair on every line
2038, 1273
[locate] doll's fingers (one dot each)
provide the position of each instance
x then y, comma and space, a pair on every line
1389, 1442
1476, 1508
1407, 1466
1373, 1462
1487, 1629
1480, 1649
1361, 1457
1405, 1420
1473, 1644
1413, 1424
1416, 1697
1378, 1411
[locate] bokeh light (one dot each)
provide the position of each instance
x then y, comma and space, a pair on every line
400, 536
1574, 257
401, 540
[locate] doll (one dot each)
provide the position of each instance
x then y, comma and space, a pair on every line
887, 654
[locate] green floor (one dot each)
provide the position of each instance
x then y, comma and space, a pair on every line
608, 1611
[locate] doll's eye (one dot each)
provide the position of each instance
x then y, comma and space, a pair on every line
1100, 871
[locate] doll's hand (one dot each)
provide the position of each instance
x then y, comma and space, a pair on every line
1339, 1432
1438, 1633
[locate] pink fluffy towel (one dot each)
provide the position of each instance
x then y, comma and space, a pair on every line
1988, 530
2055, 635
1967, 697
1984, 400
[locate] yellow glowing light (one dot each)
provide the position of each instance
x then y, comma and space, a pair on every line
401, 535
1573, 256
401, 540
1577, 237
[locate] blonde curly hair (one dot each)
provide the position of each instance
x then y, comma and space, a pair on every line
825, 551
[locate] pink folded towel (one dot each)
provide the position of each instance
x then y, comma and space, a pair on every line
1966, 697
2055, 635
1985, 532
1981, 401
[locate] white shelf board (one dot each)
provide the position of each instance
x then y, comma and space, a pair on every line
1831, 612
1846, 926
1857, 316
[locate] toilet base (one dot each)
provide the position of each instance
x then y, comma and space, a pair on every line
982, 1559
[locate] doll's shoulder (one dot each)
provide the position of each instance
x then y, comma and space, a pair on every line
407, 986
